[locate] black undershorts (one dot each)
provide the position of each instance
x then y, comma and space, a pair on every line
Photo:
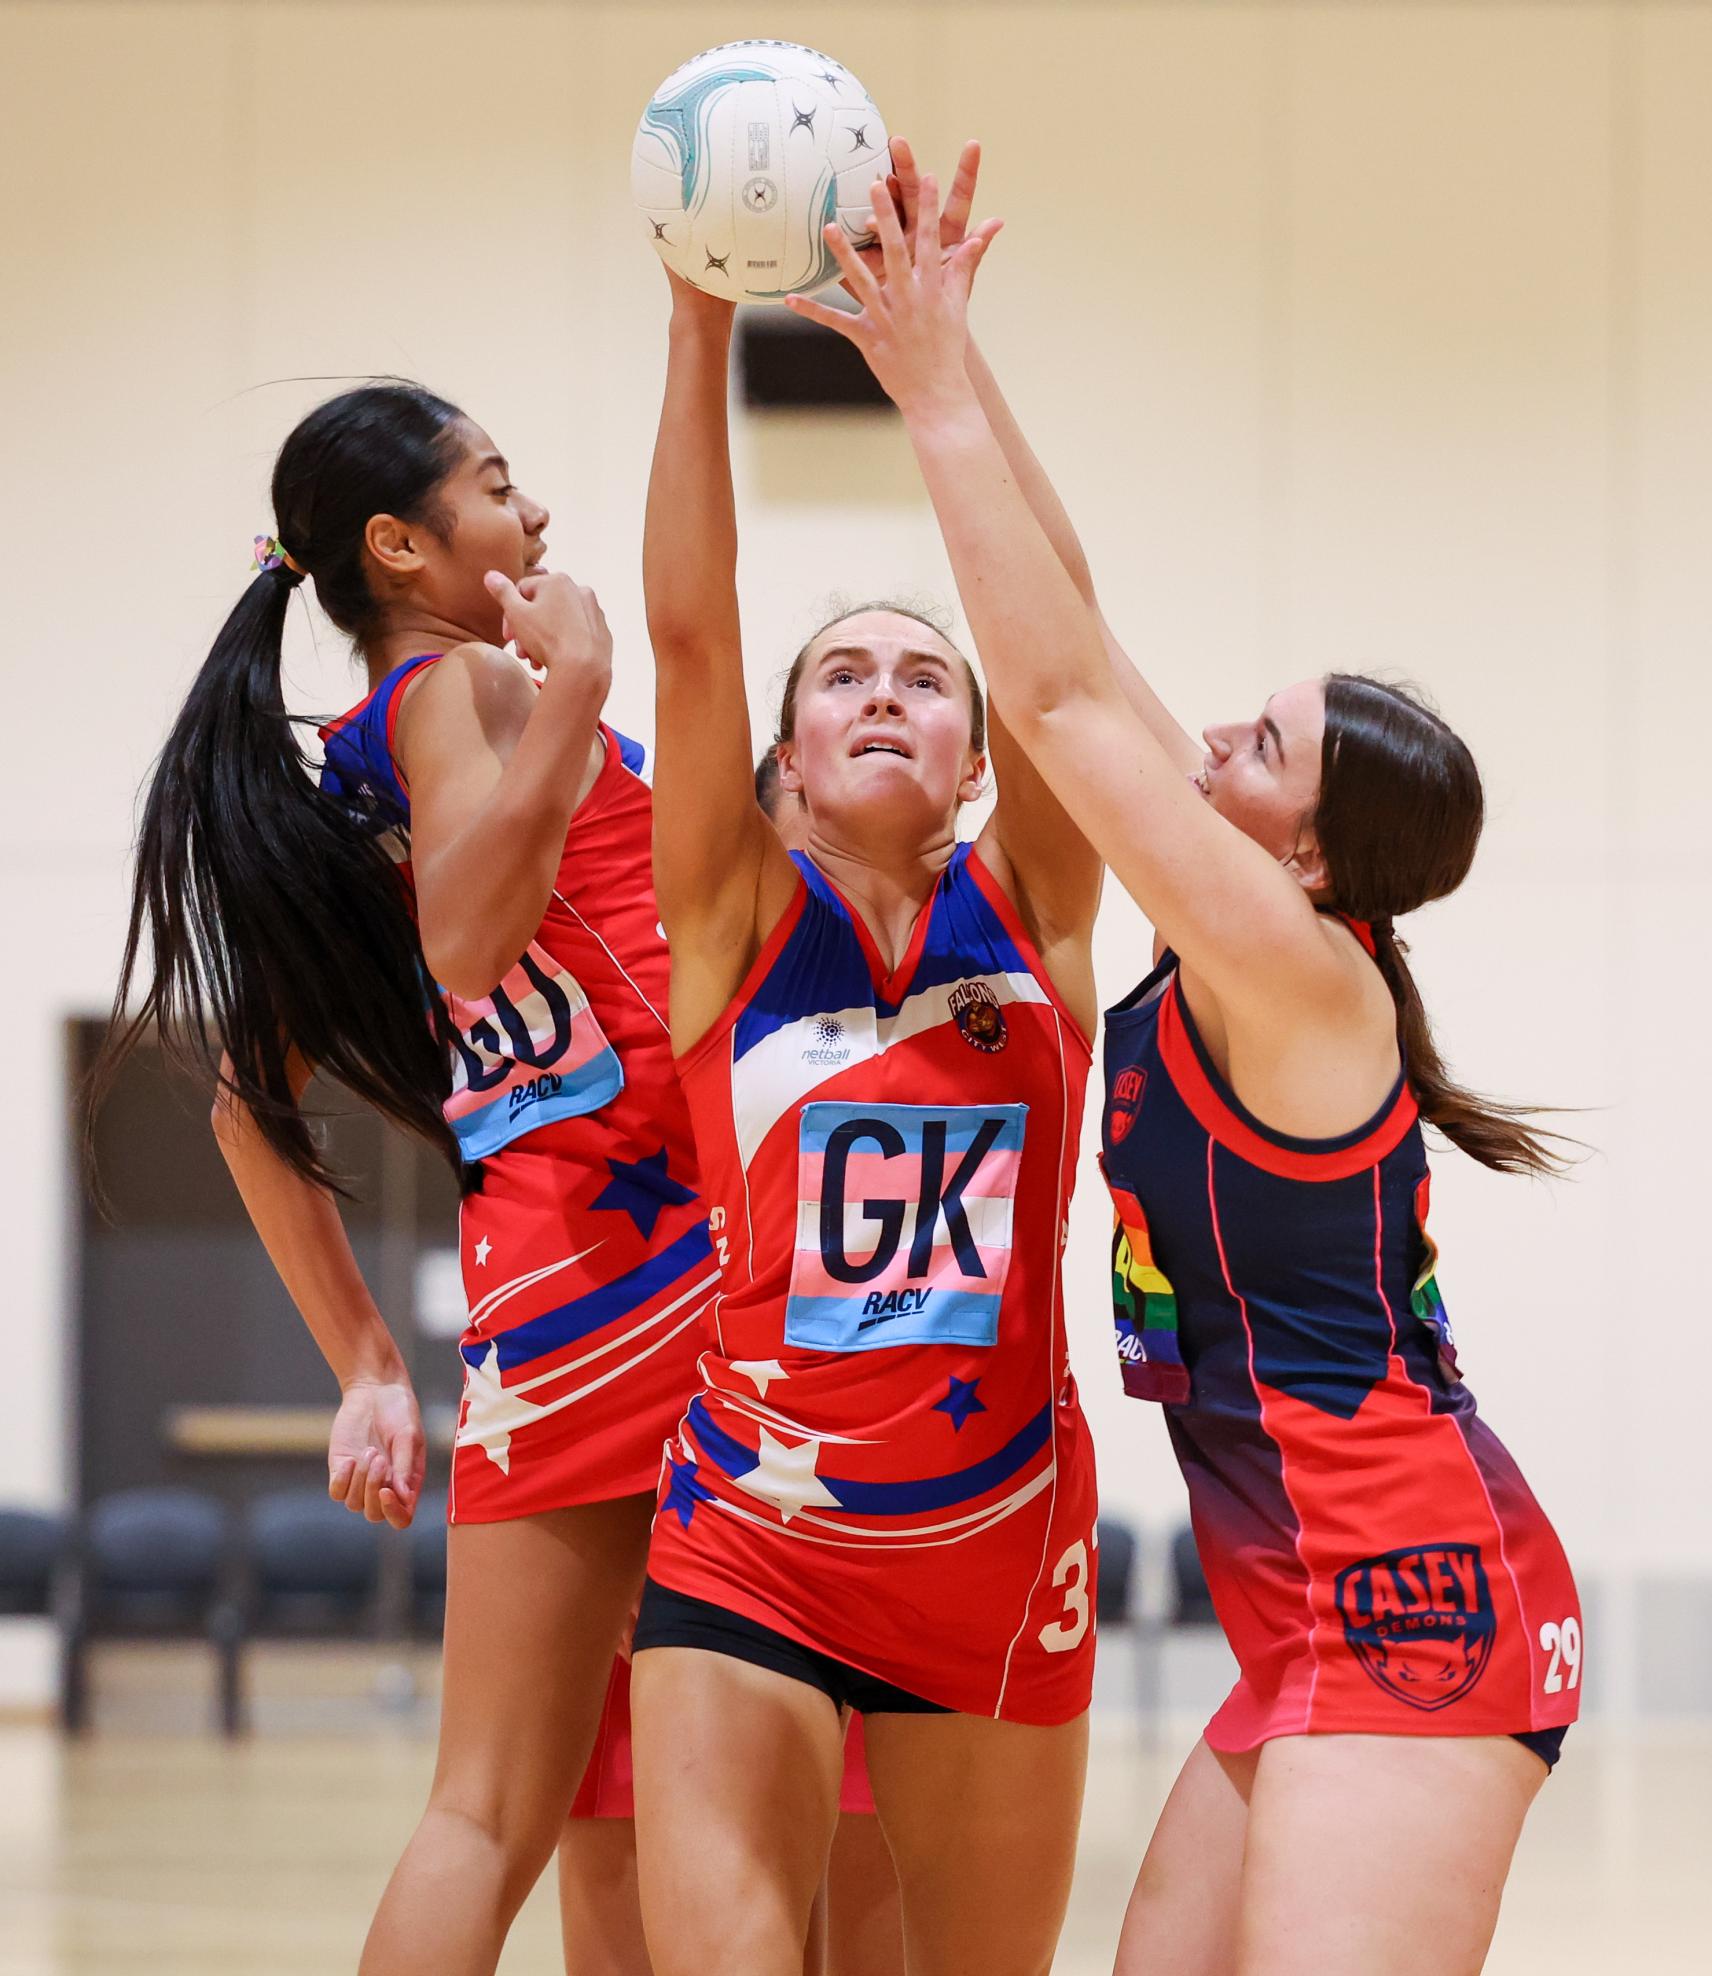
674, 1619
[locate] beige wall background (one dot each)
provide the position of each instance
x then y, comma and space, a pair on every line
1357, 334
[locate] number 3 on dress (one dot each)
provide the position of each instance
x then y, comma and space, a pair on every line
1071, 1571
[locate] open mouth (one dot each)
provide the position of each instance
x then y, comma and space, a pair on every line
878, 747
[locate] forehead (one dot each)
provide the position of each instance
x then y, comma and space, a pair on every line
887, 634
478, 446
1300, 710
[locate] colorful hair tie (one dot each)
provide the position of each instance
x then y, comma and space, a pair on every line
271, 553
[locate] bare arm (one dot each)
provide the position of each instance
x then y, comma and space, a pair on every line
496, 770
1234, 915
1049, 511
1031, 477
377, 1453
722, 875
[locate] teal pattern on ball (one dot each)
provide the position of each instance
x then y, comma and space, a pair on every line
682, 123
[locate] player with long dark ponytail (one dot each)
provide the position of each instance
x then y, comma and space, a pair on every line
1403, 1617
267, 911
456, 922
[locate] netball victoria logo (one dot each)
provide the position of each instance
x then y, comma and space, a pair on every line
828, 1043
1420, 1621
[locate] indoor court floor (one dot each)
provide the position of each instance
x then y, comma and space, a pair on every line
151, 1845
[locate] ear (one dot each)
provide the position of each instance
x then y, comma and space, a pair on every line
1307, 865
392, 544
974, 783
790, 774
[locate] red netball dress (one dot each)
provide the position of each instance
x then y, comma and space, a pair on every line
1374, 1555
585, 1250
887, 1461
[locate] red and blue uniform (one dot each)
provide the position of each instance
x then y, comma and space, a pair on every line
887, 1462
1374, 1555
584, 1244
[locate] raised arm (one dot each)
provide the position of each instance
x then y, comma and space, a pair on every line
722, 875
496, 769
1215, 895
376, 1452
1030, 476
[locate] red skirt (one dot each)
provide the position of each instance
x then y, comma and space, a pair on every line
585, 1292
1410, 1586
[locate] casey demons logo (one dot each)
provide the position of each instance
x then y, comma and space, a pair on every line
1420, 1621
1126, 1101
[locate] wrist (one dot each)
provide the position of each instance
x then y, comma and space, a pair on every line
701, 319
382, 1366
949, 408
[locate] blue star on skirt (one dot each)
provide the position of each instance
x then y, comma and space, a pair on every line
960, 1402
684, 1491
642, 1189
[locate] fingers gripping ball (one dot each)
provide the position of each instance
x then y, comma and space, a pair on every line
744, 156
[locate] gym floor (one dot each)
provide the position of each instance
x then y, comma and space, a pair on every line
152, 1844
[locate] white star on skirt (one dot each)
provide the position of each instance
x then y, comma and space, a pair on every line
493, 1412
762, 1371
786, 1477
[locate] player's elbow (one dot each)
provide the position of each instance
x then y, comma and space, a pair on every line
469, 968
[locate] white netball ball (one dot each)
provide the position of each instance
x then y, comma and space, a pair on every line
744, 155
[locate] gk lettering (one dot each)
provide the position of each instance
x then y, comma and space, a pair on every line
938, 1198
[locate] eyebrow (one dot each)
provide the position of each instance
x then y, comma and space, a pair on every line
1271, 727
911, 657
496, 460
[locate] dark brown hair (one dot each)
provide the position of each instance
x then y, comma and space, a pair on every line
1399, 816
977, 703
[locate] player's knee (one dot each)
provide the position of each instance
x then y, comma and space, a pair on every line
516, 1825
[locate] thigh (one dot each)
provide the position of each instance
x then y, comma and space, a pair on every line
981, 1818
1363, 1848
600, 1911
737, 1773
865, 1931
1182, 1915
534, 1609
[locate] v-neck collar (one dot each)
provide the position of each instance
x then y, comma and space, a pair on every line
890, 987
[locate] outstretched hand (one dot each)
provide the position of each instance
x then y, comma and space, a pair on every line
903, 188
913, 328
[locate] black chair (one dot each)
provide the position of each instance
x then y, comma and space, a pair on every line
1191, 1602
311, 1570
427, 1537
311, 1567
1116, 1593
152, 1564
33, 1550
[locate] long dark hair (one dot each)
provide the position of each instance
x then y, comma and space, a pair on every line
275, 919
1399, 817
